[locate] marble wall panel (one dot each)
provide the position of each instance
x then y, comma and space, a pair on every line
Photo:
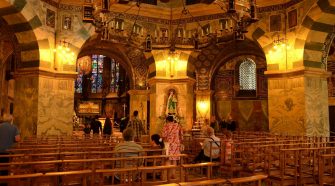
25, 105
55, 106
317, 115
287, 106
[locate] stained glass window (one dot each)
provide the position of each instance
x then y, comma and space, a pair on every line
115, 76
247, 75
96, 74
79, 83
97, 70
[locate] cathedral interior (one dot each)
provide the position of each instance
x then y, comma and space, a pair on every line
269, 63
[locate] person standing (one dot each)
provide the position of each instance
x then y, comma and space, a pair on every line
137, 126
123, 123
96, 125
107, 131
172, 135
9, 134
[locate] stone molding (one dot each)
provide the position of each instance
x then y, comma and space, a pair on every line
183, 80
301, 71
40, 71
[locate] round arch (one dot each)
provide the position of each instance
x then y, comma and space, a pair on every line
318, 27
112, 50
23, 20
233, 50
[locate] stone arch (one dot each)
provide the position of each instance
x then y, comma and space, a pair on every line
130, 58
318, 29
229, 51
22, 19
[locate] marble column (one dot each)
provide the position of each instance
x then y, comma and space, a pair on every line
138, 101
159, 92
298, 102
43, 103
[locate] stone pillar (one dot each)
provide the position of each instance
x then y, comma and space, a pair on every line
159, 92
203, 105
138, 101
298, 102
43, 103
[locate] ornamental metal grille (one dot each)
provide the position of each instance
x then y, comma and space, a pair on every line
247, 74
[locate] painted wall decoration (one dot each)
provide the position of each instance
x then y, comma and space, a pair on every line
275, 23
67, 22
292, 18
50, 18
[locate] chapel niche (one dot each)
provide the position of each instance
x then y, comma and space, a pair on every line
240, 88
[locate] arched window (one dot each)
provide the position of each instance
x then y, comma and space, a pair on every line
247, 74
91, 71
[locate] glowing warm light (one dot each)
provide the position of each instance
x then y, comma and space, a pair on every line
64, 53
46, 55
203, 107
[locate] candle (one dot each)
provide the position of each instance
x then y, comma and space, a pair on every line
122, 25
226, 25
117, 25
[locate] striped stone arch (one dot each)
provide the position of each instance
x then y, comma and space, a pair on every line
23, 21
257, 33
318, 28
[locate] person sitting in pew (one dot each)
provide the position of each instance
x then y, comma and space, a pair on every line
210, 147
157, 141
9, 134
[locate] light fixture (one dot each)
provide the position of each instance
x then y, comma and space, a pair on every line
64, 53
279, 41
110, 26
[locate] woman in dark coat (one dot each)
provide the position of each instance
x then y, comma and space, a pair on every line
107, 131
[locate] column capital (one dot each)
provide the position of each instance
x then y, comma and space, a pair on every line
40, 71
160, 80
138, 92
301, 71
204, 92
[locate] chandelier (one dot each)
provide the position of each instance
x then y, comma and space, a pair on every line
237, 16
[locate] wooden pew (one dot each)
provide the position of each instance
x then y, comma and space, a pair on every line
243, 180
208, 167
22, 179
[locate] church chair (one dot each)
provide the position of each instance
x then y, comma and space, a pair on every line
197, 172
247, 180
67, 178
219, 181
308, 166
118, 176
288, 168
231, 162
154, 175
327, 169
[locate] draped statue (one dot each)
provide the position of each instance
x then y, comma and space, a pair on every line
171, 107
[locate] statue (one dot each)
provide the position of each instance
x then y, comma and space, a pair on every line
171, 107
